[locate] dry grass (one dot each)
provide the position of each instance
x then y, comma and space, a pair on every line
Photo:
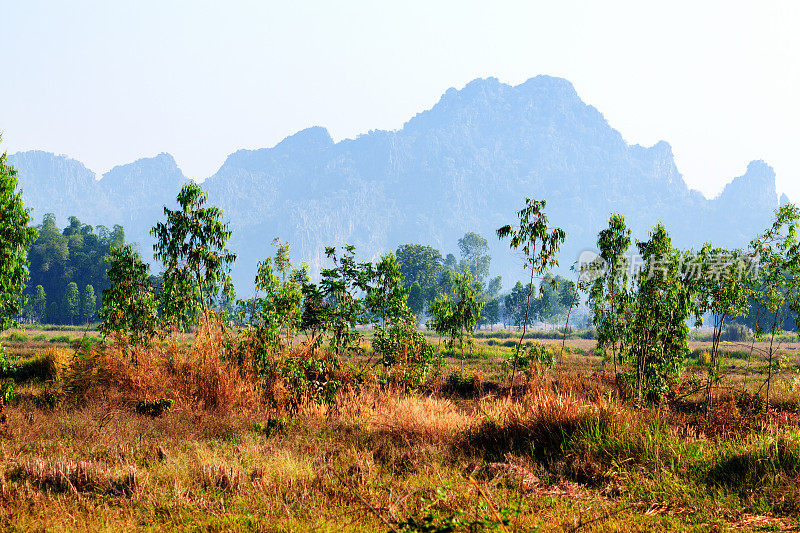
424, 418
568, 453
65, 475
197, 378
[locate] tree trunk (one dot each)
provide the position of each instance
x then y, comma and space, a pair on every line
521, 337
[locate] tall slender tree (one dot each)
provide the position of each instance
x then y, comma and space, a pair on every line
88, 304
72, 302
15, 238
540, 244
607, 281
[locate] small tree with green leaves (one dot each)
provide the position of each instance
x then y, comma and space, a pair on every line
607, 282
341, 288
456, 316
276, 310
191, 244
657, 336
540, 244
722, 285
129, 307
401, 348
777, 286
386, 297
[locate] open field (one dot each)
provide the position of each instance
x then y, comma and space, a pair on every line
569, 452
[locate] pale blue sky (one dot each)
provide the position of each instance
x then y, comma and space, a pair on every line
109, 82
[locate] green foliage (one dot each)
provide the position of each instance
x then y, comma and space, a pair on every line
456, 317
416, 300
40, 304
76, 254
534, 357
274, 425
7, 366
72, 302
776, 289
475, 256
657, 336
419, 264
8, 391
385, 296
484, 517
192, 245
307, 379
129, 305
406, 351
722, 286
15, 237
490, 313
88, 304
275, 313
154, 408
608, 283
341, 286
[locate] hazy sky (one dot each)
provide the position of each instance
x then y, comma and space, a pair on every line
108, 82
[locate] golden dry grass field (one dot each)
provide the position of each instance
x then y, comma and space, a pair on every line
568, 452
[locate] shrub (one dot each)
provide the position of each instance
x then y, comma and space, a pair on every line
406, 352
154, 408
272, 426
8, 391
203, 376
48, 366
15, 336
534, 357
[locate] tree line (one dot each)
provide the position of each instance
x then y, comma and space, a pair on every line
67, 271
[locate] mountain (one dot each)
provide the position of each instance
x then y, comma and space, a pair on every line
466, 164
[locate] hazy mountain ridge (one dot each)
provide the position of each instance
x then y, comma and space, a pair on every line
466, 164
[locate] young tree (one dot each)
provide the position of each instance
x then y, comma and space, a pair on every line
72, 302
192, 246
341, 287
277, 306
386, 297
15, 238
721, 284
129, 304
88, 304
540, 244
40, 304
607, 281
777, 290
457, 316
658, 335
